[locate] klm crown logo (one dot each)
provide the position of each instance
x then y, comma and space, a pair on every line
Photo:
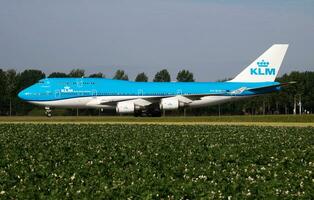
262, 64
263, 69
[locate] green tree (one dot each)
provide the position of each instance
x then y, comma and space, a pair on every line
3, 91
79, 73
29, 77
308, 98
185, 76
11, 78
162, 76
58, 75
97, 75
141, 77
120, 75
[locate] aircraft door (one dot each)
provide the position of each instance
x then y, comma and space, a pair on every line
79, 82
94, 93
57, 93
140, 92
179, 92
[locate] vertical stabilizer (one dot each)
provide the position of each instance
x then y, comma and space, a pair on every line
265, 68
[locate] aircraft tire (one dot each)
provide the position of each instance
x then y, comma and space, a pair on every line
138, 114
155, 114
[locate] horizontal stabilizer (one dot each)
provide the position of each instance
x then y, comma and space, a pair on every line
237, 91
271, 86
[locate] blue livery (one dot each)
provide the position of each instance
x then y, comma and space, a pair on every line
150, 98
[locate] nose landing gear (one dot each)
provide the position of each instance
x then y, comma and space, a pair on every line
48, 112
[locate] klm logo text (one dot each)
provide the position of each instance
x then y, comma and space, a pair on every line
263, 69
66, 89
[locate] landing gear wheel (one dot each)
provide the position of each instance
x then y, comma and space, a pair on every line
156, 114
137, 113
48, 112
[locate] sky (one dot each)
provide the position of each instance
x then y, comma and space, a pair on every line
214, 39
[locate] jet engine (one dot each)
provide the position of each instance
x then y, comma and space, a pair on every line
125, 107
169, 104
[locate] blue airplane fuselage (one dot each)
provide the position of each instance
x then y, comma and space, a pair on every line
54, 89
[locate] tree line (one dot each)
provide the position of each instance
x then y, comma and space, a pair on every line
293, 99
161, 76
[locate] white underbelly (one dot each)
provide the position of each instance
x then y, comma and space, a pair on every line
85, 102
214, 100
108, 102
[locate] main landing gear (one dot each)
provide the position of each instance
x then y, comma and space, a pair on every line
150, 112
48, 112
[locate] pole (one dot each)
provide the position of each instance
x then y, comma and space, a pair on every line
10, 107
219, 110
300, 106
294, 105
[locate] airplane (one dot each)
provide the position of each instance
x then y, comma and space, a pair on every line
151, 98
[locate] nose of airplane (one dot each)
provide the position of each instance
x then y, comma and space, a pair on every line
22, 95
26, 94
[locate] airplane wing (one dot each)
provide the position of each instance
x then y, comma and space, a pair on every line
146, 101
138, 101
185, 99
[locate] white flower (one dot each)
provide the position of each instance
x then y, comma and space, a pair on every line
73, 177
250, 178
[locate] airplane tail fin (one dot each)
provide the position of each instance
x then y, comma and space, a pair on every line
265, 68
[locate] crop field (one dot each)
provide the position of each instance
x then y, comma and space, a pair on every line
77, 161
262, 120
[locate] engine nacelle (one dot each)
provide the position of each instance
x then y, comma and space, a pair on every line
169, 104
125, 107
